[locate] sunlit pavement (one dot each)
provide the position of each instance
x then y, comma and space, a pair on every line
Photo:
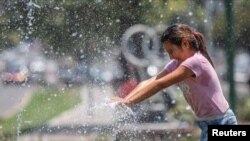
13, 98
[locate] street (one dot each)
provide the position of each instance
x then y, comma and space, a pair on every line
12, 99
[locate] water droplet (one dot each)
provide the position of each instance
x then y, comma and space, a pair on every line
74, 34
190, 13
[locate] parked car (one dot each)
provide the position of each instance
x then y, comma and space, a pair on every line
14, 72
76, 75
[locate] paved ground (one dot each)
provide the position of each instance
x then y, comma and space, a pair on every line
92, 111
94, 119
12, 99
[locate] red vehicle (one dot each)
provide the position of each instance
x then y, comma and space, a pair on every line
15, 77
14, 73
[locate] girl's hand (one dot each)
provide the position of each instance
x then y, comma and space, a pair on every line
119, 101
119, 104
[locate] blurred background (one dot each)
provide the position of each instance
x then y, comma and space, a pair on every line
61, 59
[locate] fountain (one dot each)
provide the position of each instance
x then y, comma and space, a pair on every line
96, 116
146, 121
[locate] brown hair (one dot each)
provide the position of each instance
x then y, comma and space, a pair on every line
175, 33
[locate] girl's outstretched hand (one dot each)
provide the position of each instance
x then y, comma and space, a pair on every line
120, 106
119, 101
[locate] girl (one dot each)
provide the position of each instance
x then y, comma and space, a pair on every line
192, 69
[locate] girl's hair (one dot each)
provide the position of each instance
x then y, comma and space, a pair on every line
175, 33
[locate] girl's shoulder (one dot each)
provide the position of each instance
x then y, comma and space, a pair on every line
198, 58
201, 58
171, 65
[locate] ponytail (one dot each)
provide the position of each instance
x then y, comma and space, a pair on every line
201, 46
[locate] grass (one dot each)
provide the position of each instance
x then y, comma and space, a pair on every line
243, 111
44, 105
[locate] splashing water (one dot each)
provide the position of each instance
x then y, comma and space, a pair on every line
120, 111
121, 108
125, 118
19, 124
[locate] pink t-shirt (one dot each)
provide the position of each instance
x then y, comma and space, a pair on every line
203, 91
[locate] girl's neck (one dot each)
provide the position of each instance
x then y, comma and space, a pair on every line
188, 54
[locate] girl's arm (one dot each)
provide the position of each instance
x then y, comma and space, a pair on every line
144, 83
153, 85
140, 86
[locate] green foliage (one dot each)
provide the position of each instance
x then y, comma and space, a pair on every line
241, 24
241, 19
243, 110
67, 26
63, 25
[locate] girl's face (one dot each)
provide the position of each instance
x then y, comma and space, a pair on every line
175, 52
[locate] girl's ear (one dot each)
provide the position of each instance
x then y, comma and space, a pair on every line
184, 43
